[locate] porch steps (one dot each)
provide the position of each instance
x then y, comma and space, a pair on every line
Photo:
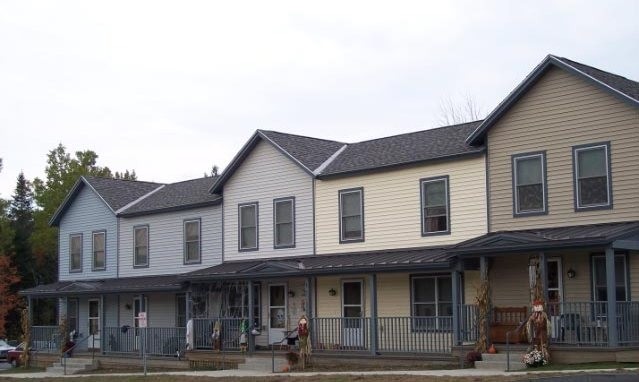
74, 366
500, 361
263, 363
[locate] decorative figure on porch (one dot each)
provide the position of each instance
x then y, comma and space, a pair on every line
244, 326
305, 340
537, 328
216, 336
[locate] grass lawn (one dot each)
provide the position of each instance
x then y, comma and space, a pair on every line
16, 370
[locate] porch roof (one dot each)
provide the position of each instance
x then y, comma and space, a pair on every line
623, 235
106, 286
428, 258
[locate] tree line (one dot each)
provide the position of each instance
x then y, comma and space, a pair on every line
28, 245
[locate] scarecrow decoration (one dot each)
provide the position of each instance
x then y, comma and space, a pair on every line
305, 341
216, 336
537, 328
244, 326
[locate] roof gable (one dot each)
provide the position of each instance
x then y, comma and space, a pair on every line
625, 89
114, 193
306, 152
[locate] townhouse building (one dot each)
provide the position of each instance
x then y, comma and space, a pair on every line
382, 244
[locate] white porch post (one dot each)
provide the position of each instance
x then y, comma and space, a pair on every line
611, 288
372, 281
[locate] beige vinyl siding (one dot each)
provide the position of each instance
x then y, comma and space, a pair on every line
471, 286
559, 112
508, 278
634, 275
392, 217
267, 174
579, 288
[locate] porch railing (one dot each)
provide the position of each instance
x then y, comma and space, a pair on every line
155, 341
46, 339
230, 333
415, 334
628, 323
468, 323
340, 334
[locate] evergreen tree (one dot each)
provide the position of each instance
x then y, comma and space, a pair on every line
21, 216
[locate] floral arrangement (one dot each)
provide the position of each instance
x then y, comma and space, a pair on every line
534, 358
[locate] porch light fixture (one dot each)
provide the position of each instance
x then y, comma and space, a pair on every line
127, 306
291, 294
332, 292
571, 273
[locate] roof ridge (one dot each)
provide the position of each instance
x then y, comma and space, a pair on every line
119, 179
213, 178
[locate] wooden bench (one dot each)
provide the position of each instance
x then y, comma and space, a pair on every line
506, 319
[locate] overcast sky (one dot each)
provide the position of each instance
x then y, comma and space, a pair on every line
171, 88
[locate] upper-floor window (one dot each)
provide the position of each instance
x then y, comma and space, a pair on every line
529, 183
435, 211
141, 246
99, 251
75, 252
284, 223
192, 241
593, 185
432, 298
248, 227
351, 215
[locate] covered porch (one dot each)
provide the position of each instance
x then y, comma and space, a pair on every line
588, 277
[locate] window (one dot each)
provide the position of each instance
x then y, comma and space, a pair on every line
75, 253
248, 227
435, 212
284, 223
351, 215
139, 308
141, 246
192, 241
99, 251
72, 314
237, 302
529, 183
432, 299
600, 291
593, 186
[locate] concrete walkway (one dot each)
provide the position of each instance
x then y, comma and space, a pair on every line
432, 373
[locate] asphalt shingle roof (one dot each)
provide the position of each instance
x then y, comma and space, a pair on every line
402, 149
311, 152
120, 285
174, 196
408, 258
620, 83
117, 193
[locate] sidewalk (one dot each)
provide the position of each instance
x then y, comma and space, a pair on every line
242, 373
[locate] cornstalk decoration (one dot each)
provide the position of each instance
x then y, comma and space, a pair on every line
25, 357
483, 307
63, 334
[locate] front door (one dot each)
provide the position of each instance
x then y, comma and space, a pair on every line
352, 313
94, 324
277, 313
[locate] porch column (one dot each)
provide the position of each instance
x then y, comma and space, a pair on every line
102, 324
543, 275
611, 288
251, 318
188, 299
372, 282
29, 311
310, 297
456, 306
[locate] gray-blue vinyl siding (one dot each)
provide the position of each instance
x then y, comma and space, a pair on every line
266, 174
166, 241
87, 214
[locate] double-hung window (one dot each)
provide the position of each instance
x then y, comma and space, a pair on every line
435, 210
141, 246
99, 251
600, 290
529, 184
75, 253
192, 241
248, 229
351, 215
432, 302
284, 223
593, 184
